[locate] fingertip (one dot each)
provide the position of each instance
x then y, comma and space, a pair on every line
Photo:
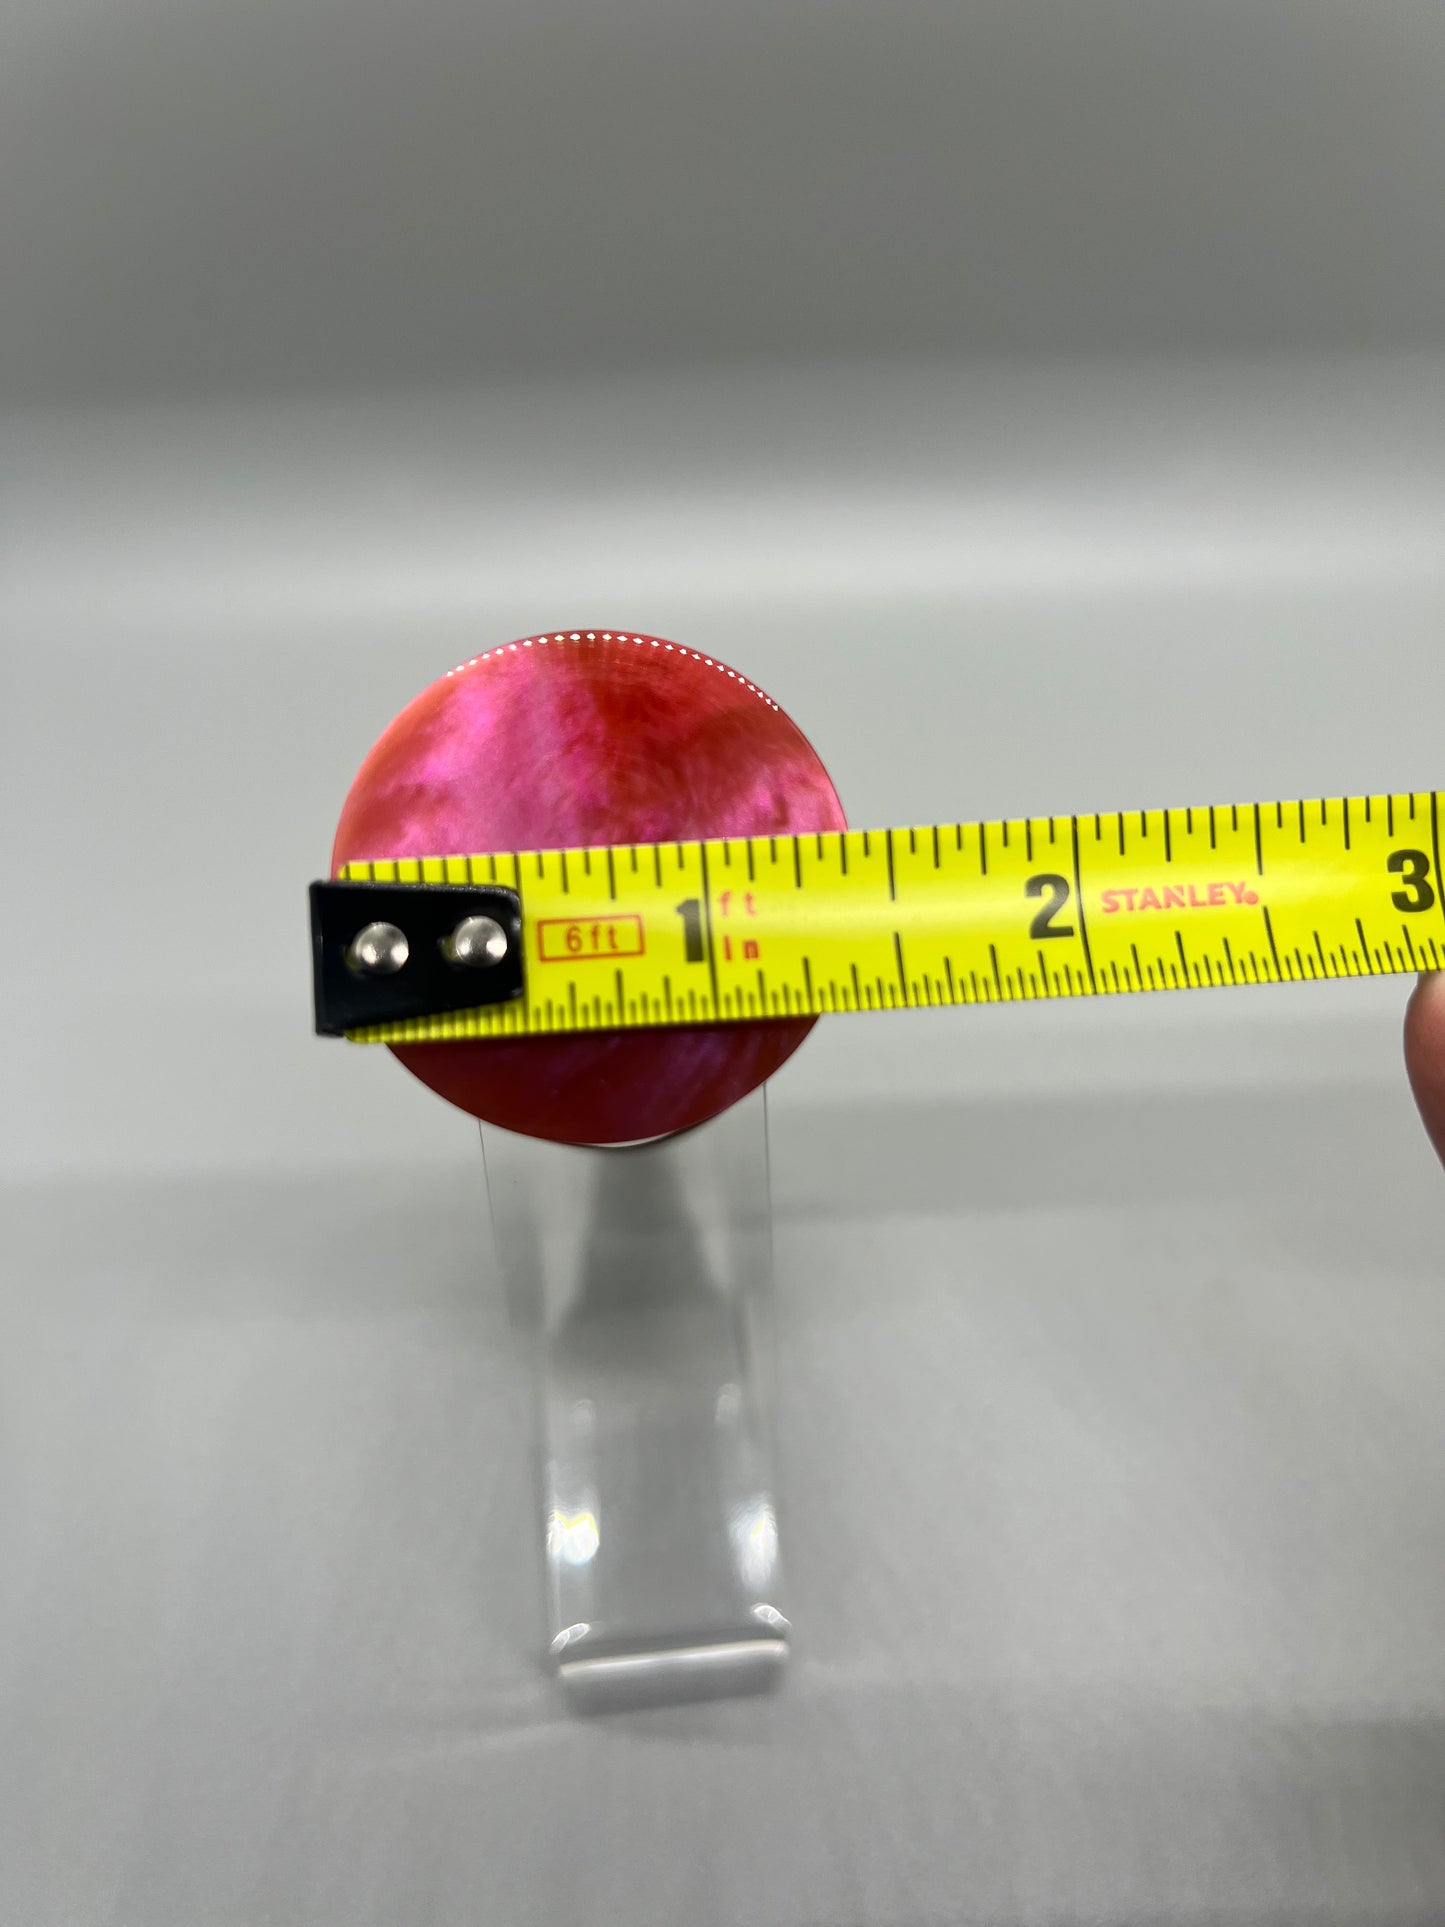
1425, 1053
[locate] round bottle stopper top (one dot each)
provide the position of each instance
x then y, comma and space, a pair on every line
581, 737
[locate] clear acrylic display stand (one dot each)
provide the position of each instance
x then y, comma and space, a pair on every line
642, 1278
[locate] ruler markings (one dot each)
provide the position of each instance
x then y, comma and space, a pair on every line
1079, 894
951, 927
1435, 849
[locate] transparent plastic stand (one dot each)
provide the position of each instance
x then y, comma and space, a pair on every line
642, 1278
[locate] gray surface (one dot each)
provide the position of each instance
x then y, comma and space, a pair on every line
201, 197
1112, 1338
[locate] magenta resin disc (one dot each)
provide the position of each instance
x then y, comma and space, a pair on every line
583, 737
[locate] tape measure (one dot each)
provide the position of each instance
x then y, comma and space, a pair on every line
730, 930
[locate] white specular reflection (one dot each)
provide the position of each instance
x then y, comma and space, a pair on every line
573, 1537
753, 1530
568, 1635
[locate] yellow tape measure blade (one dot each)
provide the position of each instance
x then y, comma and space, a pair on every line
738, 929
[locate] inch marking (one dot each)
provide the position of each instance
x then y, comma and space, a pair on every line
1079, 898
707, 919
1273, 946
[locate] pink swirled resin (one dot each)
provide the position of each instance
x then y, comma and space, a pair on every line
590, 737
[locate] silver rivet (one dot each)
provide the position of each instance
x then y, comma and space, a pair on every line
477, 943
379, 950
